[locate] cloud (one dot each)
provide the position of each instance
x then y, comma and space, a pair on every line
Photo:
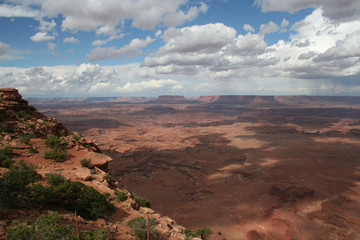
7, 10
249, 44
191, 46
284, 24
145, 86
317, 50
4, 48
345, 10
248, 28
4, 52
207, 38
268, 28
130, 50
46, 26
306, 56
41, 36
347, 48
70, 40
179, 17
85, 73
145, 14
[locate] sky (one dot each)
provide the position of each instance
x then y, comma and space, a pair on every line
68, 48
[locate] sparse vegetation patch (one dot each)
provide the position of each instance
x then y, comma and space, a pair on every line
49, 227
139, 228
5, 157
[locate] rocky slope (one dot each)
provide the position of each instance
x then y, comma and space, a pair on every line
24, 130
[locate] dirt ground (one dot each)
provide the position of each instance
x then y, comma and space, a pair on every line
285, 172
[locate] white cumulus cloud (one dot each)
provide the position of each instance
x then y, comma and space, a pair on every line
41, 36
344, 10
131, 50
70, 40
151, 85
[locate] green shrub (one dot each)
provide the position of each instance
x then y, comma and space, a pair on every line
57, 154
5, 157
189, 234
16, 191
110, 180
92, 171
139, 228
53, 141
49, 227
54, 179
30, 125
204, 233
26, 138
20, 232
13, 185
88, 203
99, 234
86, 163
23, 114
122, 196
142, 202
33, 150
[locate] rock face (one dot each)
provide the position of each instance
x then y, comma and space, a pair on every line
10, 98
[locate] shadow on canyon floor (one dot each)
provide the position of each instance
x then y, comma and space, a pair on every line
293, 185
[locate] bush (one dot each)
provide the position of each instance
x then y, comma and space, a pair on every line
122, 196
13, 185
26, 138
58, 155
33, 150
53, 141
139, 228
54, 179
99, 234
5, 157
48, 227
88, 203
16, 192
189, 234
110, 180
20, 232
86, 163
23, 114
92, 171
204, 233
142, 202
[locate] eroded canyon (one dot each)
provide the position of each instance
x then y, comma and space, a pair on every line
274, 167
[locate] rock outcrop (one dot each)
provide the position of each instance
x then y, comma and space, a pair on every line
11, 99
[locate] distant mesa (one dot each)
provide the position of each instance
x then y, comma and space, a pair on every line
239, 99
170, 99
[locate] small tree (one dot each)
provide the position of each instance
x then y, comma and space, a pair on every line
204, 233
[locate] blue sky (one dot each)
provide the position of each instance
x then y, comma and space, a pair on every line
192, 48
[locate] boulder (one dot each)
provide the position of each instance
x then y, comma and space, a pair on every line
84, 175
98, 159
